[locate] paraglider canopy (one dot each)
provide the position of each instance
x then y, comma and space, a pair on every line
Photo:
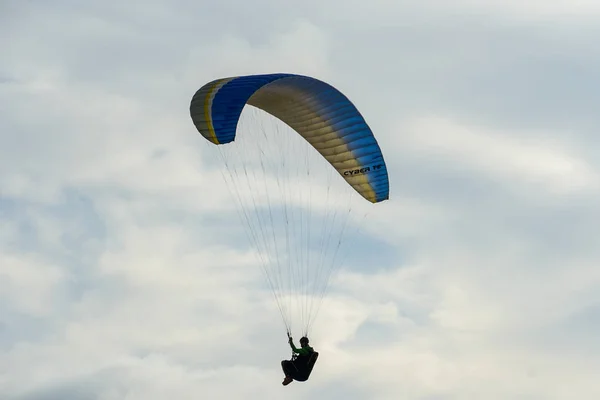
314, 109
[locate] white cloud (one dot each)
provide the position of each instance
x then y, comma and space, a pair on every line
29, 284
559, 9
301, 48
529, 158
536, 9
123, 270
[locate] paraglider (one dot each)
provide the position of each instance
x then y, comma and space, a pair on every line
301, 364
295, 175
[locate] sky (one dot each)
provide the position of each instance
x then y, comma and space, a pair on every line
124, 273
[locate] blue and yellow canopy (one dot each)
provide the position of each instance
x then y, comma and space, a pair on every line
314, 109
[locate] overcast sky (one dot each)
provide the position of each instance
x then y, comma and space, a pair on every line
124, 274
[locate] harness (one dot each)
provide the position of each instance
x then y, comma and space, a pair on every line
306, 367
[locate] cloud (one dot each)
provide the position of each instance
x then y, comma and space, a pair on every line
531, 158
125, 273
